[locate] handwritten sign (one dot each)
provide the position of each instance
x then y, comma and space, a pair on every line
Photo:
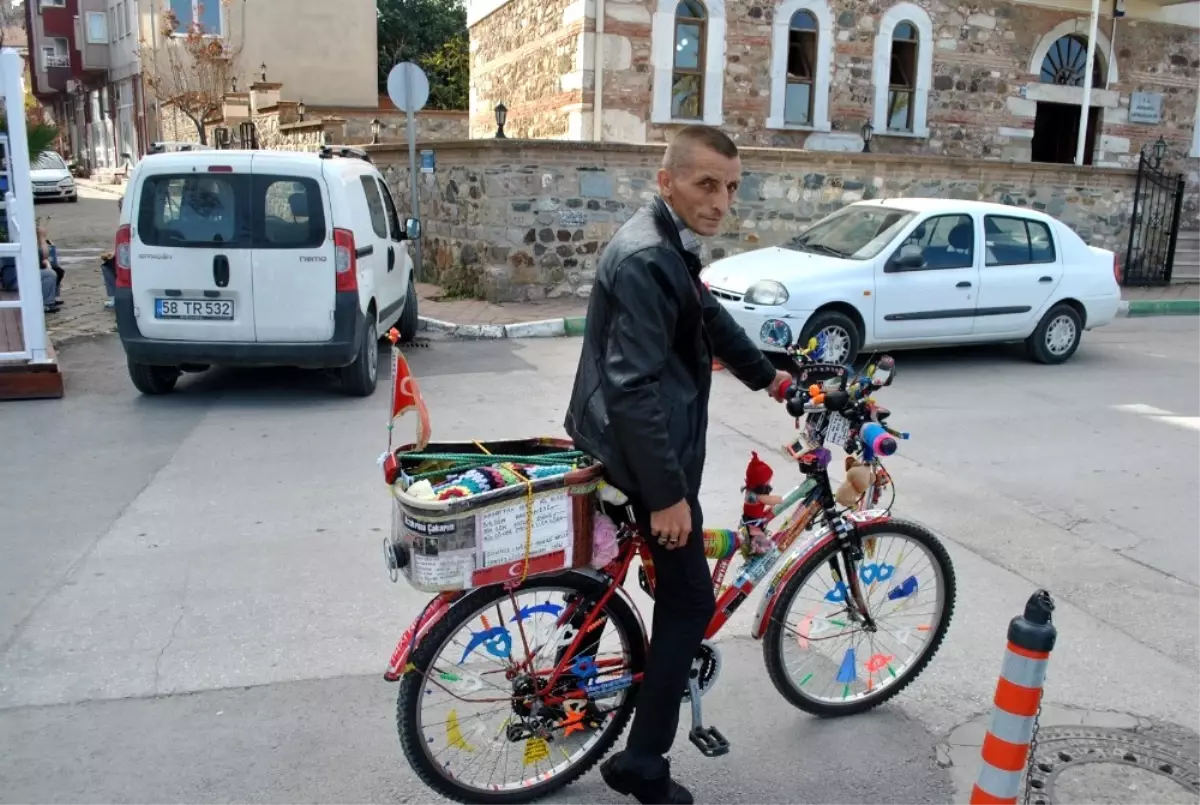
503, 530
445, 571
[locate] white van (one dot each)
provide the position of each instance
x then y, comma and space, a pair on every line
260, 258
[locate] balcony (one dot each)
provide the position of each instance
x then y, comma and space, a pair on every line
52, 60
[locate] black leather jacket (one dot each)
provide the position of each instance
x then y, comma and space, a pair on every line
640, 401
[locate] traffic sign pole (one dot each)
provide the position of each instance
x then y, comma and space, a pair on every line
408, 87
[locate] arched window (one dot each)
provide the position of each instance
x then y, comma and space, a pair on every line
801, 69
1065, 63
903, 71
801, 65
687, 74
902, 77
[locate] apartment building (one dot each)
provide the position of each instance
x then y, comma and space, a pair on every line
87, 61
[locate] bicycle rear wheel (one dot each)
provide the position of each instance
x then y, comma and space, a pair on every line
471, 713
819, 652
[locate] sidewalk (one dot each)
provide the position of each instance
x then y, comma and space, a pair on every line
470, 317
115, 190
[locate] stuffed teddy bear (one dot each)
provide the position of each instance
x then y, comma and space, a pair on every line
858, 477
758, 509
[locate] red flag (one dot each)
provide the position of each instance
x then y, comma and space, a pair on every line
406, 396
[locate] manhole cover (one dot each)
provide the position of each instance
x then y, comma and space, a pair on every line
1100, 765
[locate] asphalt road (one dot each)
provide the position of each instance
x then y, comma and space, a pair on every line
195, 608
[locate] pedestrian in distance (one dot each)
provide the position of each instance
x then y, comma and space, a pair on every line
640, 406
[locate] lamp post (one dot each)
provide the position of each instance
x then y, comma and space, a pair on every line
376, 129
501, 117
1160, 151
868, 131
300, 108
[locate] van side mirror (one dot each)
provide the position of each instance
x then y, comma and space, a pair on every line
412, 229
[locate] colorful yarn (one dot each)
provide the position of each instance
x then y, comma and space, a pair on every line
479, 480
720, 543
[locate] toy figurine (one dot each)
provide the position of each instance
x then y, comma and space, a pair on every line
758, 509
859, 476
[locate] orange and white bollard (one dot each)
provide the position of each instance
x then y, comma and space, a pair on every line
1018, 699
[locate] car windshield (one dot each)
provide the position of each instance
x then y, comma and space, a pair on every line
852, 233
49, 161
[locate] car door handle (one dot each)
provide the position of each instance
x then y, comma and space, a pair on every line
963, 284
1046, 279
391, 258
221, 270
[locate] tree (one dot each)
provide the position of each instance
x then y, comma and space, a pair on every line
432, 33
191, 71
39, 136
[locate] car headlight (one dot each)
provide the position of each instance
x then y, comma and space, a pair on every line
67, 182
766, 292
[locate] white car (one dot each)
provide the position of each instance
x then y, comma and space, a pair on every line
260, 258
919, 272
52, 180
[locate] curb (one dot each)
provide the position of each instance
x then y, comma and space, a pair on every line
544, 328
1161, 307
116, 190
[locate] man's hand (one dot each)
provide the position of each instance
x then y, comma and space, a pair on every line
672, 525
779, 385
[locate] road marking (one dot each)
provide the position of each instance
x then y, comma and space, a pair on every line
1141, 408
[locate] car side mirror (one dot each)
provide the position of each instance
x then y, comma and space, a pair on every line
412, 229
910, 256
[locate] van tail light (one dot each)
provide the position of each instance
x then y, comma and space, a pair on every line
345, 261
1116, 268
121, 253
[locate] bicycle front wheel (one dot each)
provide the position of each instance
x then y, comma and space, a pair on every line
478, 719
822, 654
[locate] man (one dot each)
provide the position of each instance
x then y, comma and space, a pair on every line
640, 406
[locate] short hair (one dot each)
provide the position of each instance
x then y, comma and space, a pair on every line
697, 135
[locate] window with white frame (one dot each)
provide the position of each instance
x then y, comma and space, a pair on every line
902, 71
801, 64
688, 55
52, 4
97, 28
203, 15
56, 53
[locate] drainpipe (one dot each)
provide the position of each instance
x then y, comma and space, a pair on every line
158, 132
1081, 138
598, 75
1112, 53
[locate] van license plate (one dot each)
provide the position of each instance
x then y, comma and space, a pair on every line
193, 308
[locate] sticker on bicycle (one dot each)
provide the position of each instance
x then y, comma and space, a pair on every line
837, 430
600, 690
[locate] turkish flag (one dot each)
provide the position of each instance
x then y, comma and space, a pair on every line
407, 397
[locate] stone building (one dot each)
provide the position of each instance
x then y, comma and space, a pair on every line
991, 79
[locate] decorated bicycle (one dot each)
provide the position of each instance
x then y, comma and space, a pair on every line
522, 671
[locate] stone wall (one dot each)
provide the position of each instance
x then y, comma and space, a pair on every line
529, 55
526, 220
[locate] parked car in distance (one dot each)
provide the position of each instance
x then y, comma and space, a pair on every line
260, 258
921, 272
52, 179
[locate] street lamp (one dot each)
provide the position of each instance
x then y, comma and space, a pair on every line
1160, 151
868, 131
300, 107
501, 117
376, 129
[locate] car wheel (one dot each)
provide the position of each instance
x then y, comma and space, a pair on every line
360, 377
153, 379
409, 319
842, 338
1057, 335
73, 199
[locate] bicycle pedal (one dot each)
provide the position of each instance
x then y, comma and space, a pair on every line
709, 741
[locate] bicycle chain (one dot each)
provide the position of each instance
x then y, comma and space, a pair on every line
1033, 742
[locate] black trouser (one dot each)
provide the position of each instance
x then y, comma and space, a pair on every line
59, 273
683, 607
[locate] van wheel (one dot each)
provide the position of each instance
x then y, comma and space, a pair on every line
153, 379
1056, 337
359, 378
409, 320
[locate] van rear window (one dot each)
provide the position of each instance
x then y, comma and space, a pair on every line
207, 211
